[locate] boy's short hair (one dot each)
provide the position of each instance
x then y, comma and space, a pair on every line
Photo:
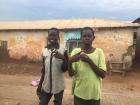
87, 28
57, 30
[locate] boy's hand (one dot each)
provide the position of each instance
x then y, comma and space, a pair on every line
59, 55
84, 57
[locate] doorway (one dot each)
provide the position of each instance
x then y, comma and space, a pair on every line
3, 49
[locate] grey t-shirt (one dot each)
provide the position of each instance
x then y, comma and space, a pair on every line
57, 75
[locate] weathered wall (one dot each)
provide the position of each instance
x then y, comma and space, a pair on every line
29, 44
114, 41
26, 44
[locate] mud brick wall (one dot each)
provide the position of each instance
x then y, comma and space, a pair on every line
114, 41
29, 44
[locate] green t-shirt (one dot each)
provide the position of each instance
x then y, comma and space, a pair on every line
86, 84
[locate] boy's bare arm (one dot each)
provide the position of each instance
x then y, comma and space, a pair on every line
72, 59
64, 65
70, 70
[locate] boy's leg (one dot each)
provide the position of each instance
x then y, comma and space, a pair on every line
79, 101
45, 98
58, 98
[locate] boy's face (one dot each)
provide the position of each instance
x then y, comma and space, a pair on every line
53, 36
87, 37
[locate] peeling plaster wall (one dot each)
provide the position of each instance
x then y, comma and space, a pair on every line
24, 44
114, 41
29, 44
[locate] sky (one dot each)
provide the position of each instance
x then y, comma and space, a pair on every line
26, 10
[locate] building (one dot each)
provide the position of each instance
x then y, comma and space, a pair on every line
137, 41
26, 39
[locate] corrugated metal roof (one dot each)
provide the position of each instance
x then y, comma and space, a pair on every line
64, 24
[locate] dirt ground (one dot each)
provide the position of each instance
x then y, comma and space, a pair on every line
15, 88
19, 67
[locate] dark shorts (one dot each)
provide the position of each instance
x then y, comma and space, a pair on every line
79, 101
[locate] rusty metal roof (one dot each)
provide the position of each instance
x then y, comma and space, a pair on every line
64, 24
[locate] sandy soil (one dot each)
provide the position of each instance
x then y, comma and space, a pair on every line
15, 88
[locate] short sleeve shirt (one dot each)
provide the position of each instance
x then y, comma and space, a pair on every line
57, 76
86, 84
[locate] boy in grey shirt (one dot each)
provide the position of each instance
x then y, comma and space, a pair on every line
54, 64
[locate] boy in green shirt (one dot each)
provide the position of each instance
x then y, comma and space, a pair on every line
87, 66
